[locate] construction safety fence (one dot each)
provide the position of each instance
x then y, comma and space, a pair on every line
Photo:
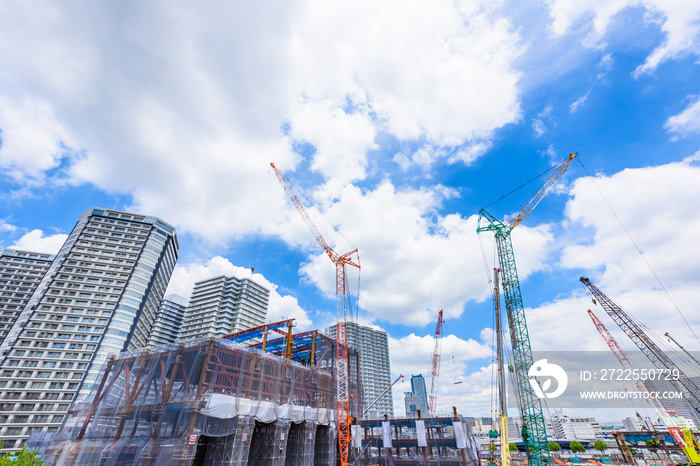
207, 402
412, 441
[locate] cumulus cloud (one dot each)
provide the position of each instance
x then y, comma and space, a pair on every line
430, 258
187, 125
680, 22
280, 307
421, 70
652, 205
33, 141
35, 241
687, 122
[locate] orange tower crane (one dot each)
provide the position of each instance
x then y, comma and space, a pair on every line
435, 367
340, 261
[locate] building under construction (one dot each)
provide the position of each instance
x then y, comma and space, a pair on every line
238, 400
440, 439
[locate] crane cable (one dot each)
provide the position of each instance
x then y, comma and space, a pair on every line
638, 249
522, 185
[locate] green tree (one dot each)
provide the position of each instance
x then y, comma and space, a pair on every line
512, 447
492, 448
600, 445
554, 446
24, 457
653, 444
577, 447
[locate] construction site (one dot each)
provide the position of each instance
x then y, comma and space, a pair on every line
296, 399
241, 401
222, 401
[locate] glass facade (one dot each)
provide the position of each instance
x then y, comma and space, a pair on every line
166, 328
99, 297
375, 369
20, 274
222, 305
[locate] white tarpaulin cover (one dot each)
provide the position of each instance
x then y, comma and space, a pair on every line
227, 407
386, 434
420, 434
460, 435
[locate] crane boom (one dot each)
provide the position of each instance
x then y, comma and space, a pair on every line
435, 366
533, 424
340, 261
690, 391
668, 335
513, 222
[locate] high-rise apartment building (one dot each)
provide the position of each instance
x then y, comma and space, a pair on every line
418, 396
222, 305
168, 321
375, 369
20, 274
99, 297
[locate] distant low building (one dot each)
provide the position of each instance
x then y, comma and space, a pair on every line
563, 427
632, 424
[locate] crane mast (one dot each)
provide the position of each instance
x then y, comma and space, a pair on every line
502, 407
533, 423
435, 366
340, 261
690, 391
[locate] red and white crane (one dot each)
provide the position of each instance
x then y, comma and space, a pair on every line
340, 261
435, 366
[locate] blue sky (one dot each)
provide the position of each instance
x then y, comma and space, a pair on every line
399, 121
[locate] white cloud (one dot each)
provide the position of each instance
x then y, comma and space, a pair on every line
430, 257
538, 124
582, 100
280, 307
687, 122
33, 142
679, 20
5, 226
422, 69
35, 241
539, 127
341, 140
183, 106
652, 204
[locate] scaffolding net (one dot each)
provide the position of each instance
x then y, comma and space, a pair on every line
212, 401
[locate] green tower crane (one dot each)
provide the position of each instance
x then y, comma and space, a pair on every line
533, 423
